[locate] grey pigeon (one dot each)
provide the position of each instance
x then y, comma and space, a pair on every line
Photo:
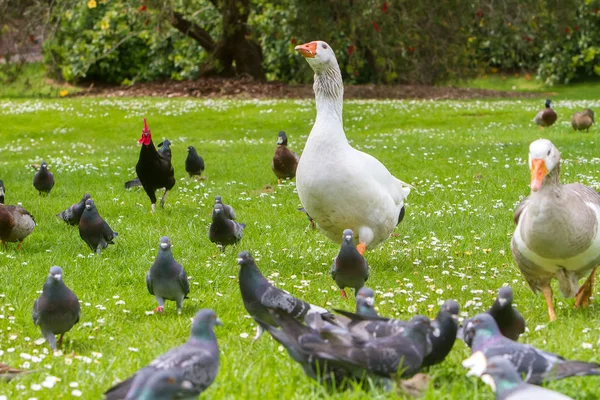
16, 223
43, 180
168, 384
224, 231
509, 320
2, 191
94, 230
350, 268
164, 149
508, 385
444, 333
72, 215
259, 295
537, 365
310, 220
229, 211
57, 309
166, 278
365, 301
194, 164
366, 326
197, 361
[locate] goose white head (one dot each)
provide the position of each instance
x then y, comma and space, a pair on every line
543, 158
318, 54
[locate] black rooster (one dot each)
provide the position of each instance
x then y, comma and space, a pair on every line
154, 169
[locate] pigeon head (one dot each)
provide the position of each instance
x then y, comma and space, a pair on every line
244, 258
282, 138
165, 243
505, 295
367, 295
164, 384
86, 197
218, 200
421, 324
500, 374
203, 323
319, 56
44, 166
146, 138
348, 236
482, 325
452, 307
191, 149
543, 158
548, 103
55, 273
89, 205
218, 210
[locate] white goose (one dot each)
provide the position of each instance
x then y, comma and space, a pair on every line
557, 234
339, 186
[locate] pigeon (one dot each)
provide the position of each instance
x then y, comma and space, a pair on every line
164, 149
167, 279
94, 230
133, 183
2, 191
197, 360
501, 375
310, 220
537, 365
57, 309
16, 223
365, 299
444, 333
43, 180
229, 212
72, 215
366, 326
194, 164
509, 320
167, 384
8, 373
259, 295
350, 268
224, 231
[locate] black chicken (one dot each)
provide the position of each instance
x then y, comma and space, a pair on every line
154, 168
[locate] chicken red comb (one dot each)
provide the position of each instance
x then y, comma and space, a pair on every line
146, 129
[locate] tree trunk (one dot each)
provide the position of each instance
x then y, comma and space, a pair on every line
235, 53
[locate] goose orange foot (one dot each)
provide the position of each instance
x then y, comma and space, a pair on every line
582, 298
361, 247
547, 292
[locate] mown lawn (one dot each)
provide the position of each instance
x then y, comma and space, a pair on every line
467, 161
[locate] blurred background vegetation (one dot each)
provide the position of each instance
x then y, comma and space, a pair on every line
377, 41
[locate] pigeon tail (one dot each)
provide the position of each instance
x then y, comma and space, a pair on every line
569, 368
133, 183
119, 391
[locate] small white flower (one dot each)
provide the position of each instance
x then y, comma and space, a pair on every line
76, 393
243, 335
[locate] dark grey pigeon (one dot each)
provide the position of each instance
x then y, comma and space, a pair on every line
72, 215
43, 180
537, 365
310, 220
224, 231
94, 230
164, 149
259, 295
2, 191
443, 335
366, 327
229, 212
197, 361
57, 309
365, 301
165, 385
350, 268
194, 164
508, 385
166, 278
509, 320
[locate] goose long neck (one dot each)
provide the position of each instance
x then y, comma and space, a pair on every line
329, 94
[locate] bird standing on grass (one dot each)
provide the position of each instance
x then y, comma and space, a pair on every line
510, 321
350, 268
582, 120
57, 309
194, 164
547, 116
166, 278
43, 180
224, 231
72, 215
94, 230
227, 209
16, 223
285, 161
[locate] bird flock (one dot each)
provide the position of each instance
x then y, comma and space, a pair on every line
355, 201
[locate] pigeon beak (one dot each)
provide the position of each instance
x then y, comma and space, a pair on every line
538, 173
88, 207
454, 317
307, 50
502, 301
240, 260
488, 380
164, 246
469, 326
58, 277
218, 322
436, 330
370, 301
348, 238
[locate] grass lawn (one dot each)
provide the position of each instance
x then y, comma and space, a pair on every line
467, 160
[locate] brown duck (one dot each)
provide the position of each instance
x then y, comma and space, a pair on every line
285, 161
15, 224
582, 120
547, 116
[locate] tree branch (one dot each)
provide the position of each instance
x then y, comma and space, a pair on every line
194, 31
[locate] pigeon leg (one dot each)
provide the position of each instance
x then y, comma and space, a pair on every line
153, 207
259, 332
547, 292
586, 291
59, 343
343, 294
51, 339
161, 304
162, 200
179, 305
361, 247
19, 246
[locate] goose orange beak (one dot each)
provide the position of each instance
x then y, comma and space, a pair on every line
307, 50
538, 173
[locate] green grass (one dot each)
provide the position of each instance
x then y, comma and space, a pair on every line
467, 161
32, 82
